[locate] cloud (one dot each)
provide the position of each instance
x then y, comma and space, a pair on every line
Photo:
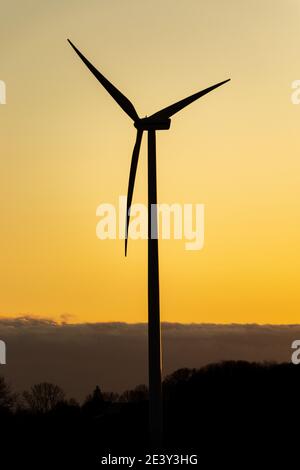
114, 355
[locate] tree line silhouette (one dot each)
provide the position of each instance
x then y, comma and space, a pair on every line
217, 412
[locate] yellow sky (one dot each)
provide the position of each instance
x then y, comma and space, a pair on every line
66, 148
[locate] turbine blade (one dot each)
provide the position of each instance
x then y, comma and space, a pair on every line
122, 101
132, 173
174, 108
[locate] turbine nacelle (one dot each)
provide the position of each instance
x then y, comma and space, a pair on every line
150, 124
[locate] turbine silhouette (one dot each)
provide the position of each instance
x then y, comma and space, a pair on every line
158, 121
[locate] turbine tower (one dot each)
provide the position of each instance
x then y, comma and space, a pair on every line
158, 121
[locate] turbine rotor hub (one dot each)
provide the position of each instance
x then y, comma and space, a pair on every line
148, 124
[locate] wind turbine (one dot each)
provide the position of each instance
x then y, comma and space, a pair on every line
158, 121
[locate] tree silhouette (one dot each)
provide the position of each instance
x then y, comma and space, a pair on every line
216, 412
111, 397
7, 398
94, 403
43, 397
137, 395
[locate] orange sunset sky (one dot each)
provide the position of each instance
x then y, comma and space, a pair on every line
66, 148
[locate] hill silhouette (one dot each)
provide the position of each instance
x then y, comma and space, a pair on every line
224, 412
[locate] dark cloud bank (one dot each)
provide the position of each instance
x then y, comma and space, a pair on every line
114, 355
